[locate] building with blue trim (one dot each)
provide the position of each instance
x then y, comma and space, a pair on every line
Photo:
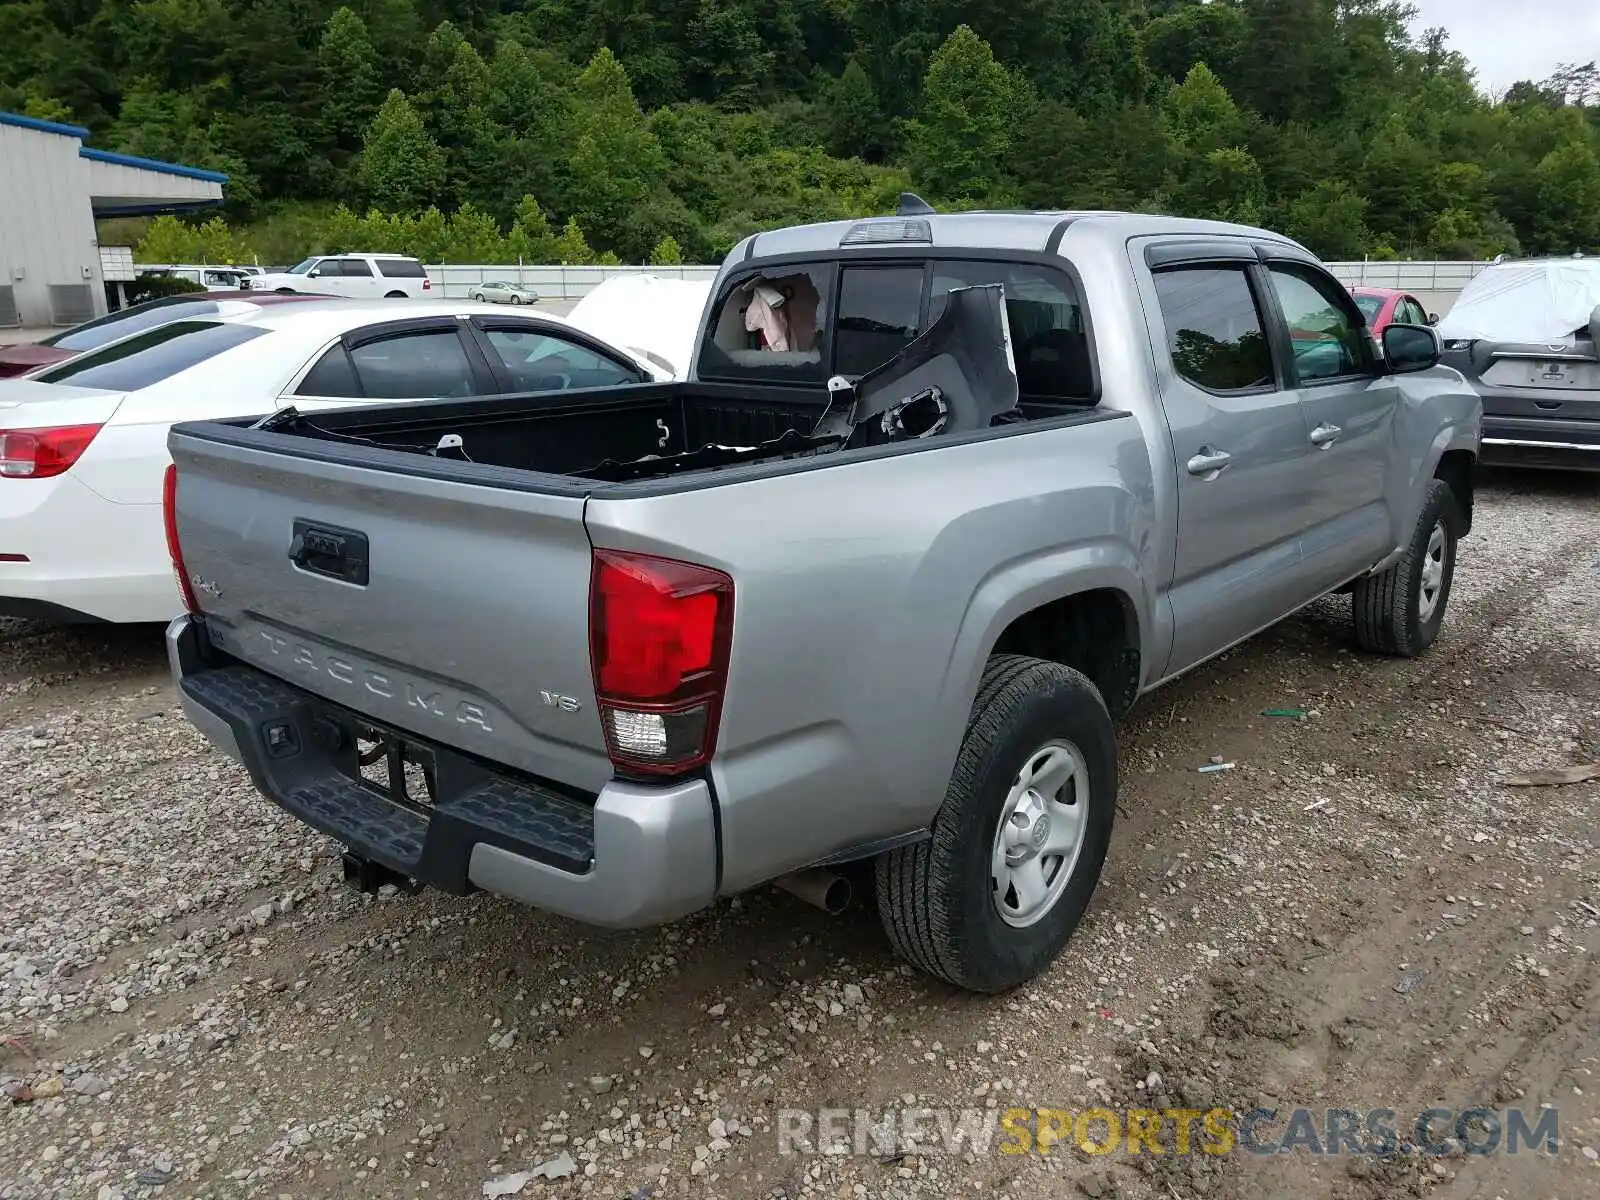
52, 190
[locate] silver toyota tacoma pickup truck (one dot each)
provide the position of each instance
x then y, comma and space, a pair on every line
941, 497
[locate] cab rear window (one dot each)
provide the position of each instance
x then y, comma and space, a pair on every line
784, 326
150, 357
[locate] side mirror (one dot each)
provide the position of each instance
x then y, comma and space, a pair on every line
314, 273
1433, 318
1410, 348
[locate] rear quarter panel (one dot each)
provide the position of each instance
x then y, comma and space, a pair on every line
867, 597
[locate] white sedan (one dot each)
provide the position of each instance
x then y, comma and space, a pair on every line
83, 443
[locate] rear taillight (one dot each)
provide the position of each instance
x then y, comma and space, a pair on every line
427, 284
659, 635
41, 453
169, 518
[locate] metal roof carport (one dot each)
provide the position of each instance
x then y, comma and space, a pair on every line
52, 189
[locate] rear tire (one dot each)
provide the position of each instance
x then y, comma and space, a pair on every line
478, 296
1401, 610
941, 901
395, 296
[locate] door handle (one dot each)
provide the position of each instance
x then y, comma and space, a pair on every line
1209, 461
1325, 435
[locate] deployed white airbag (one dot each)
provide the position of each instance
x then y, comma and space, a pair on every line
1526, 302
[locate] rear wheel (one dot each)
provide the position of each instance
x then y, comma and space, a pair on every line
1018, 844
1401, 610
395, 296
478, 296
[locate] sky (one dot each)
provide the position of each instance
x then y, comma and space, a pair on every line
1508, 40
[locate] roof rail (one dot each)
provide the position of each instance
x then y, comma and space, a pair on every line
913, 205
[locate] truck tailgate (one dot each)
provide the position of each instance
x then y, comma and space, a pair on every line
347, 582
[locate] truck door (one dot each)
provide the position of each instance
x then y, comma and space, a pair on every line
1349, 404
1240, 447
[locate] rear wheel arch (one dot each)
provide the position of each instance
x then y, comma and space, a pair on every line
1095, 632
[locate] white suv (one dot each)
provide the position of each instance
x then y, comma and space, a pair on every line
359, 276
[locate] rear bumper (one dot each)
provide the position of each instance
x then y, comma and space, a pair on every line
638, 856
75, 556
1556, 443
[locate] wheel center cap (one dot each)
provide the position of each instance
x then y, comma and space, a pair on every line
1040, 833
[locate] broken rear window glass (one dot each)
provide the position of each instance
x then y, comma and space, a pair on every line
771, 327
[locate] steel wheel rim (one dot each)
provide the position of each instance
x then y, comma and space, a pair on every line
1040, 834
1432, 583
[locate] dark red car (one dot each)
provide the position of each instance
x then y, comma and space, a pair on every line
21, 358
1387, 306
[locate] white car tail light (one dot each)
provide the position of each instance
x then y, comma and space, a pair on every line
659, 637
43, 453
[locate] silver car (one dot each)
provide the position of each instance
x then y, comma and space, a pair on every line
502, 291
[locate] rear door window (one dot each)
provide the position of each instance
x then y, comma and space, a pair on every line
333, 376
150, 357
1214, 330
536, 361
354, 268
415, 366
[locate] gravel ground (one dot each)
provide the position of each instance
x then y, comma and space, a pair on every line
1360, 914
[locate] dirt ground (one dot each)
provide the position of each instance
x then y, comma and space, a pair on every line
1359, 915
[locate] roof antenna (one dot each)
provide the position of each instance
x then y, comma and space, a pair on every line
913, 205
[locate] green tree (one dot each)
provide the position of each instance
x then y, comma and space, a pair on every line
855, 123
1330, 219
570, 248
667, 253
347, 64
1213, 34
1286, 57
43, 108
961, 139
530, 239
616, 161
1224, 185
1569, 194
402, 167
1201, 114
473, 237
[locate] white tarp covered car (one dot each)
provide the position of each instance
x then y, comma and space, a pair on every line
1543, 301
1526, 335
652, 315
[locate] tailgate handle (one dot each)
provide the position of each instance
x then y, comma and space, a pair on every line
330, 551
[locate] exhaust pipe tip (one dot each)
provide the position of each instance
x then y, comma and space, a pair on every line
820, 887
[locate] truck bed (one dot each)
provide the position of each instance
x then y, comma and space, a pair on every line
584, 440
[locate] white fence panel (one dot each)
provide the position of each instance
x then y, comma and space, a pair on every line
551, 282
